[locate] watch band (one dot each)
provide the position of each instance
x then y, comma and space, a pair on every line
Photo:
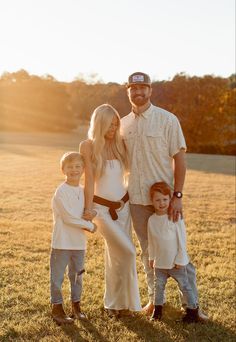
178, 194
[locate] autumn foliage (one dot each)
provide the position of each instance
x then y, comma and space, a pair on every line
205, 106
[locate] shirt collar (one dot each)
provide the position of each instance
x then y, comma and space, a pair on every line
144, 114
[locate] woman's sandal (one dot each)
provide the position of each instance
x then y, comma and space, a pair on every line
112, 312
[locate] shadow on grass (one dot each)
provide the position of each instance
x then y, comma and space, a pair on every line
147, 330
9, 335
74, 331
171, 328
89, 326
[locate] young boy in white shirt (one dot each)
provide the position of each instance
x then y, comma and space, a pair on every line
68, 238
167, 252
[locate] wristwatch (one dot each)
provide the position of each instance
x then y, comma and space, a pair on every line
178, 194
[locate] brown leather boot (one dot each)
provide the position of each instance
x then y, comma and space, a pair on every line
148, 309
191, 316
76, 311
157, 313
59, 316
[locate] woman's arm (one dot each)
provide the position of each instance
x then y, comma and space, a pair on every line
85, 149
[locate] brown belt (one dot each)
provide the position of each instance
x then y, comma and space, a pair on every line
112, 205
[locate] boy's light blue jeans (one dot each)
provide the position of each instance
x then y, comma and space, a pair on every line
181, 276
59, 260
140, 215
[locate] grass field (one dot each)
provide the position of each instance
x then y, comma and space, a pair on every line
29, 173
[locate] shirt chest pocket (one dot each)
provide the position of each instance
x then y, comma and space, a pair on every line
155, 141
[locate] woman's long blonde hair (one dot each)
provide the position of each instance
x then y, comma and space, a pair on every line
99, 124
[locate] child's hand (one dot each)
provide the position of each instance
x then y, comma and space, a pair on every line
95, 227
151, 263
91, 230
178, 266
89, 214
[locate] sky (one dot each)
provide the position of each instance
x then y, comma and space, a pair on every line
107, 40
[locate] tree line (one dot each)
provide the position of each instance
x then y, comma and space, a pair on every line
204, 105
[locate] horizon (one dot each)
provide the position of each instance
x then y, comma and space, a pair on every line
88, 79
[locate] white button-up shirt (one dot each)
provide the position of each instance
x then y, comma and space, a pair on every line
152, 139
167, 242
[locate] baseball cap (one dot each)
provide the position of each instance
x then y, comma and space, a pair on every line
138, 78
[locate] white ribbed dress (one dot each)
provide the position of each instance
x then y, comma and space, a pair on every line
121, 283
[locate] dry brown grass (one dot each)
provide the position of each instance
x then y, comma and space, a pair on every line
29, 173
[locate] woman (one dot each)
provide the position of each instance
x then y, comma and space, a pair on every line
105, 166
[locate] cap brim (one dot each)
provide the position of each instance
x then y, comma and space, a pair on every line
138, 83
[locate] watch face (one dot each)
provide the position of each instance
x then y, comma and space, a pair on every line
178, 194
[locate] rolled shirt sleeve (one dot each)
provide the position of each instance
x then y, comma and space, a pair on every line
175, 137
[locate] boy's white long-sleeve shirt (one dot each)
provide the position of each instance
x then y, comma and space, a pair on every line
68, 207
167, 242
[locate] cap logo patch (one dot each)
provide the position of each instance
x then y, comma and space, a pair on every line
138, 78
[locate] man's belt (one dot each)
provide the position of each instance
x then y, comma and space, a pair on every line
113, 206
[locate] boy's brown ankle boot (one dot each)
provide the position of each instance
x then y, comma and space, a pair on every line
59, 315
76, 311
191, 316
157, 313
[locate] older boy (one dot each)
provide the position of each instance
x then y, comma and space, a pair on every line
68, 239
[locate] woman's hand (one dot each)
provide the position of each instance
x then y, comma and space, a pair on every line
89, 214
85, 149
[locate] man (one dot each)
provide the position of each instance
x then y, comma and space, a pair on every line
156, 148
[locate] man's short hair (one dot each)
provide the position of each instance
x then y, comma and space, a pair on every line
70, 156
161, 187
138, 78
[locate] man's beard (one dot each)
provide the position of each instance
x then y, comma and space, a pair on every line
139, 100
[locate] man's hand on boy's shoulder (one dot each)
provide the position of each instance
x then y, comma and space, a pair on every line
89, 214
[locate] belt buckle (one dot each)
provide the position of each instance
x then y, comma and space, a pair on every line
122, 203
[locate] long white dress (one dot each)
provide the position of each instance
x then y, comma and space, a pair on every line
121, 282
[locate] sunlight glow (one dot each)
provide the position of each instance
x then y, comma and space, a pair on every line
65, 38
